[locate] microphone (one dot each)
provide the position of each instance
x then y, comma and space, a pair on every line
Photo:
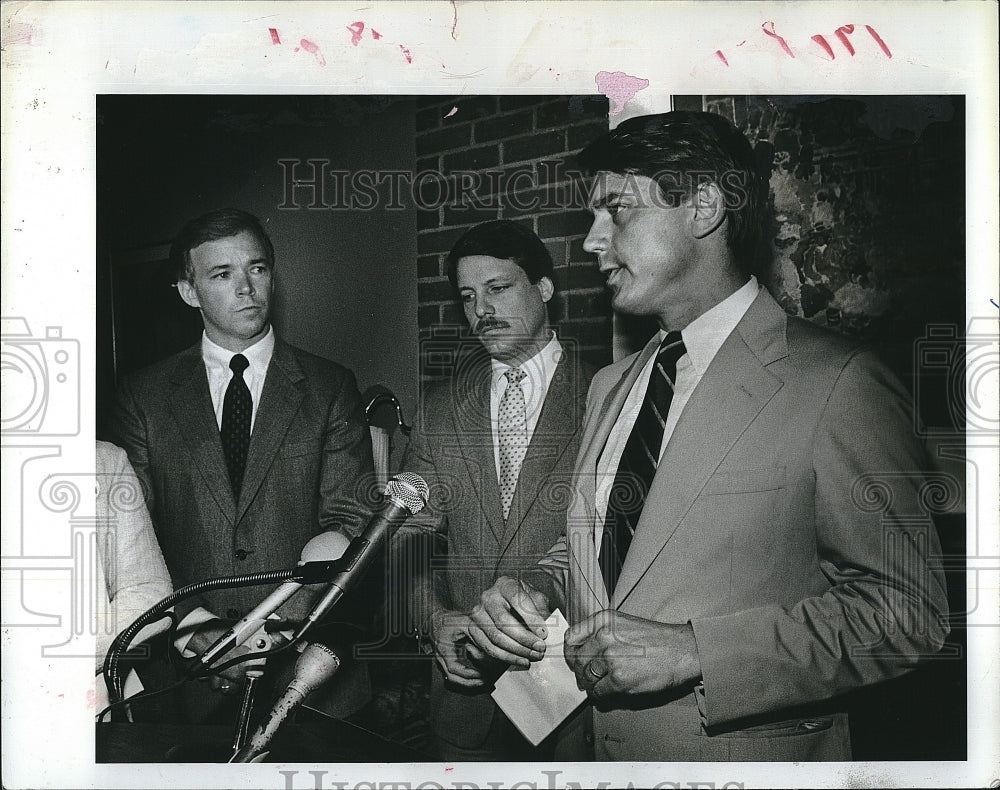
315, 666
325, 546
405, 495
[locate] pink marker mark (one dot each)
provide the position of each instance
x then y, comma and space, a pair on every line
91, 699
406, 53
720, 56
842, 33
451, 112
356, 30
825, 44
779, 39
619, 87
375, 34
312, 49
275, 38
878, 39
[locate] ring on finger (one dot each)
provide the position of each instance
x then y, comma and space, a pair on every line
597, 669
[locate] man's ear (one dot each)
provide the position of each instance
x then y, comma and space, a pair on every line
709, 209
545, 288
188, 293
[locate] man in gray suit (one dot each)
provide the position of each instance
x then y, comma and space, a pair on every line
246, 447
745, 544
496, 442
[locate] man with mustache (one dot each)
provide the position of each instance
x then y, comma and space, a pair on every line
747, 542
496, 442
246, 447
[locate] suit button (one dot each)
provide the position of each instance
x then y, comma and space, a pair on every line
241, 554
232, 614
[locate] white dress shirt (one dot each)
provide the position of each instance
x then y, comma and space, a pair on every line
216, 360
703, 338
538, 375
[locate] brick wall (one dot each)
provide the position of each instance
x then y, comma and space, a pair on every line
507, 157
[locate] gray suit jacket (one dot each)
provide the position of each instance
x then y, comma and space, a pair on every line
786, 523
451, 446
309, 468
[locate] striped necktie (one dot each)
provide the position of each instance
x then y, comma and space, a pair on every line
638, 462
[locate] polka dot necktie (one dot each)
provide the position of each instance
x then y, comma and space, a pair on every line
237, 407
513, 432
639, 460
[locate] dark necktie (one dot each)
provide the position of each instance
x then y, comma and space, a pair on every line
638, 462
236, 410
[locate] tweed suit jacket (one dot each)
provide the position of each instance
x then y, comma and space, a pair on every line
308, 469
784, 522
451, 446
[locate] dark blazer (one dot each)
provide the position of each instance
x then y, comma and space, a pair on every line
308, 466
770, 527
451, 446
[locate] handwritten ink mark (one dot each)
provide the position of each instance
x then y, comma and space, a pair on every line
357, 28
406, 53
995, 304
779, 39
720, 56
312, 49
275, 38
878, 39
842, 33
825, 44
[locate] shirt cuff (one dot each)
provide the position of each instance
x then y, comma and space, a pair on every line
186, 628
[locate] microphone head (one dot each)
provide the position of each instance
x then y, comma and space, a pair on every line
408, 490
315, 666
325, 546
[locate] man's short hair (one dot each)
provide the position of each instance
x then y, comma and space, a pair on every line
681, 149
506, 240
215, 225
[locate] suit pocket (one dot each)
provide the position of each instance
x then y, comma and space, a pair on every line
781, 729
745, 481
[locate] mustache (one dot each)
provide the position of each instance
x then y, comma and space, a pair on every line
485, 324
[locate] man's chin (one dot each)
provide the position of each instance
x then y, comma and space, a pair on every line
498, 349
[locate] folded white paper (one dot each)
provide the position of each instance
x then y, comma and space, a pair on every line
537, 699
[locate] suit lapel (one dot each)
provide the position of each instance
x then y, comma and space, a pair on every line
582, 517
735, 387
553, 432
191, 404
279, 401
475, 434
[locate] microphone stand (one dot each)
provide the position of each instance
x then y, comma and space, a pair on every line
308, 573
250, 681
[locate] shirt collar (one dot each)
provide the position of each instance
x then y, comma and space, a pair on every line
258, 355
537, 367
704, 336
